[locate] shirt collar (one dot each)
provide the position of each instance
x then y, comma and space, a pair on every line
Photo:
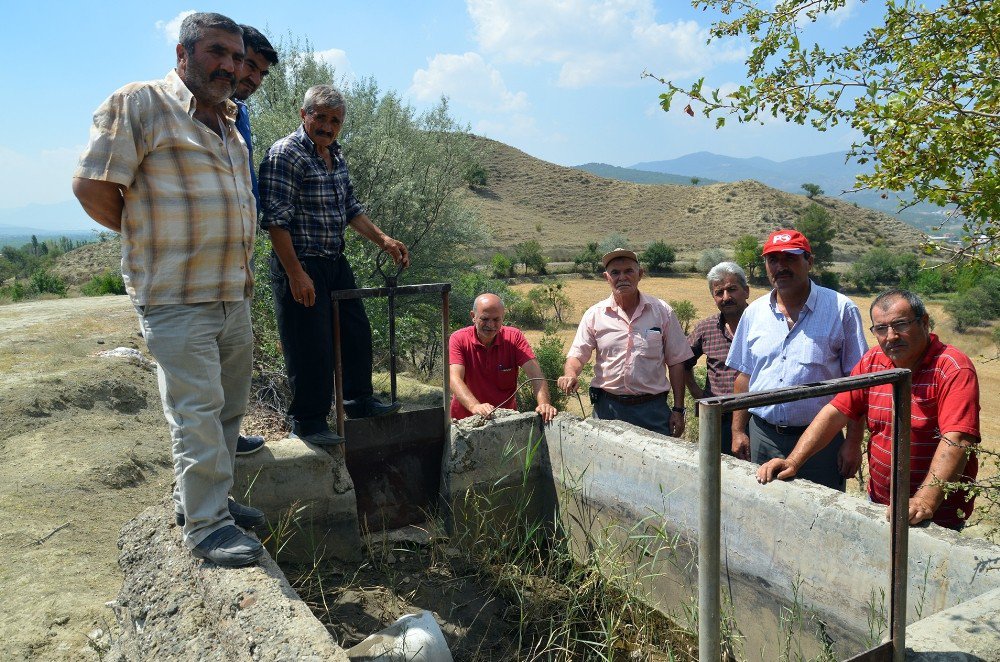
810, 303
184, 95
611, 304
934, 347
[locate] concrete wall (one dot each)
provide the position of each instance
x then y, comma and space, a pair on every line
783, 544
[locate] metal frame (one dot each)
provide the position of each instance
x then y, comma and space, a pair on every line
391, 292
710, 466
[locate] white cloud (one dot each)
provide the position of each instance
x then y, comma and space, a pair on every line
596, 41
466, 79
337, 59
172, 29
40, 177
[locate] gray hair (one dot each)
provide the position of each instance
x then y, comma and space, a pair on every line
884, 300
323, 96
193, 28
722, 270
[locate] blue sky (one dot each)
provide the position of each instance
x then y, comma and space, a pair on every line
558, 79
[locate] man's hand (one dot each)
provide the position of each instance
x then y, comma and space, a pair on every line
484, 409
302, 288
779, 468
568, 383
397, 251
546, 411
676, 423
919, 510
849, 459
741, 445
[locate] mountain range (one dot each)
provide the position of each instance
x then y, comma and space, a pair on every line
832, 172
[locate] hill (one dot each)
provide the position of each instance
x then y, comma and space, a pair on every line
564, 208
638, 176
832, 172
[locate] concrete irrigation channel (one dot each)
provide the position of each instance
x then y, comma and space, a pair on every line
798, 560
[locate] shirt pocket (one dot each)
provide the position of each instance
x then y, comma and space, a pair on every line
649, 344
507, 377
819, 354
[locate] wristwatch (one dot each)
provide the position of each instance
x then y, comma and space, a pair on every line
679, 410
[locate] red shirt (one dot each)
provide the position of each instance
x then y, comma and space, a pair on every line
945, 398
490, 372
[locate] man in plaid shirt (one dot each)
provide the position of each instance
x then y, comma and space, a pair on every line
713, 337
307, 201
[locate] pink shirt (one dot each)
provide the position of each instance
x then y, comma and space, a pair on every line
632, 354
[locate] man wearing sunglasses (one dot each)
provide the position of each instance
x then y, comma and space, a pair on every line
944, 418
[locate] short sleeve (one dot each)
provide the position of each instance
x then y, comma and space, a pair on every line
958, 403
855, 344
585, 341
116, 146
456, 355
852, 404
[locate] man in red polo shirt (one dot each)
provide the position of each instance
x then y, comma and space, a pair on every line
944, 419
483, 362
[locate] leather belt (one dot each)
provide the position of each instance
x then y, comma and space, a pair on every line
634, 399
781, 429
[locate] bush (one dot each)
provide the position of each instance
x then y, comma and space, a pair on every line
818, 227
589, 259
611, 242
45, 283
747, 252
475, 176
550, 297
16, 291
929, 281
685, 312
551, 357
829, 279
708, 259
108, 282
529, 253
501, 266
658, 256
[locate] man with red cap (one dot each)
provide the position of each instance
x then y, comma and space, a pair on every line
798, 333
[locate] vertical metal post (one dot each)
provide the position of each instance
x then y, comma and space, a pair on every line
900, 505
391, 284
445, 374
338, 369
709, 531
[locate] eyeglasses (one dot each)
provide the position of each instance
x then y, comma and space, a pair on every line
882, 330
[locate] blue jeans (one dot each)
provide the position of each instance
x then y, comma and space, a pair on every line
204, 356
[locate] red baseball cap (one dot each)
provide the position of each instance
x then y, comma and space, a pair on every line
786, 241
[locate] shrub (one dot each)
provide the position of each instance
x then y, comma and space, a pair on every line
611, 242
747, 252
475, 175
685, 312
589, 259
45, 283
501, 266
108, 282
829, 279
812, 190
708, 259
929, 281
658, 256
529, 253
551, 357
16, 291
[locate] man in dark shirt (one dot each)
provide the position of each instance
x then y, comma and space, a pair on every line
307, 201
714, 335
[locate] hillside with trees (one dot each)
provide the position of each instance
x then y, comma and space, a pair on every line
525, 198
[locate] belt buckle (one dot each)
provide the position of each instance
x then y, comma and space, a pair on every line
782, 429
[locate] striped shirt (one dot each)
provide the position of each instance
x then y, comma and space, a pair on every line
711, 338
632, 353
945, 398
825, 342
189, 219
301, 195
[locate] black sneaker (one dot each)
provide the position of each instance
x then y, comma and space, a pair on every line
246, 517
324, 438
229, 547
249, 445
370, 406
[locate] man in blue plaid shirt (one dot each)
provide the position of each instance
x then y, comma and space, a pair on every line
307, 201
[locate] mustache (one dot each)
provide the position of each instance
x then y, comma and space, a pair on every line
224, 75
783, 272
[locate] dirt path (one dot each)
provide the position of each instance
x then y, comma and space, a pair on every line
83, 448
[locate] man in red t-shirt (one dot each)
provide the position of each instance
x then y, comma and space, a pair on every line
944, 419
483, 362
